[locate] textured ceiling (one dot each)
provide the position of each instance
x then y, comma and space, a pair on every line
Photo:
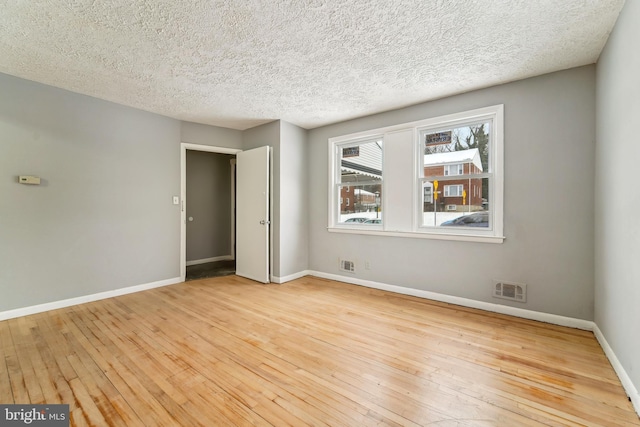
241, 63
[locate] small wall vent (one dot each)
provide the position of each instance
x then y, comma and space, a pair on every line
348, 266
512, 291
452, 207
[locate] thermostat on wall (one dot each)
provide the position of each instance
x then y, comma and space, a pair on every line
28, 179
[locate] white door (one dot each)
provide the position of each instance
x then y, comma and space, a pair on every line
252, 214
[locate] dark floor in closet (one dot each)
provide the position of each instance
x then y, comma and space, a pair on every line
211, 269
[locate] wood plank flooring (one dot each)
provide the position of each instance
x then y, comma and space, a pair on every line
229, 352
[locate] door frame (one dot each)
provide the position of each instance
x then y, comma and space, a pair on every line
184, 146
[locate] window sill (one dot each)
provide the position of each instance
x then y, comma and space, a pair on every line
420, 235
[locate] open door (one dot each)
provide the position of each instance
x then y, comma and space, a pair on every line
252, 214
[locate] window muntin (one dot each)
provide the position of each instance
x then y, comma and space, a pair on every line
359, 182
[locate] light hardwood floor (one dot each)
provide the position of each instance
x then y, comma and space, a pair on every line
229, 352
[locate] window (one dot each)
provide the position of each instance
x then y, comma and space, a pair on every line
428, 192
465, 160
443, 178
456, 169
360, 174
453, 190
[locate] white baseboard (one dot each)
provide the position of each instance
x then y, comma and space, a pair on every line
465, 302
25, 311
628, 385
206, 260
284, 279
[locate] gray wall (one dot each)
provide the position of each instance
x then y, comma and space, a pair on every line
548, 221
209, 204
103, 218
617, 199
294, 213
196, 133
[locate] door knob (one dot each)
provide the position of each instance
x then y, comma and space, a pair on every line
263, 222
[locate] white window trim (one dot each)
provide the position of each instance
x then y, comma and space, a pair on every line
496, 155
496, 190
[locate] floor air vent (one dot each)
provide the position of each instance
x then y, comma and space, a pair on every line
348, 266
512, 291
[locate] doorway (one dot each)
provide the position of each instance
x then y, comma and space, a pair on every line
207, 211
210, 212
251, 175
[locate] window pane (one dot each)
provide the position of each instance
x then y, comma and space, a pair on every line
453, 199
454, 153
461, 150
361, 204
361, 162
